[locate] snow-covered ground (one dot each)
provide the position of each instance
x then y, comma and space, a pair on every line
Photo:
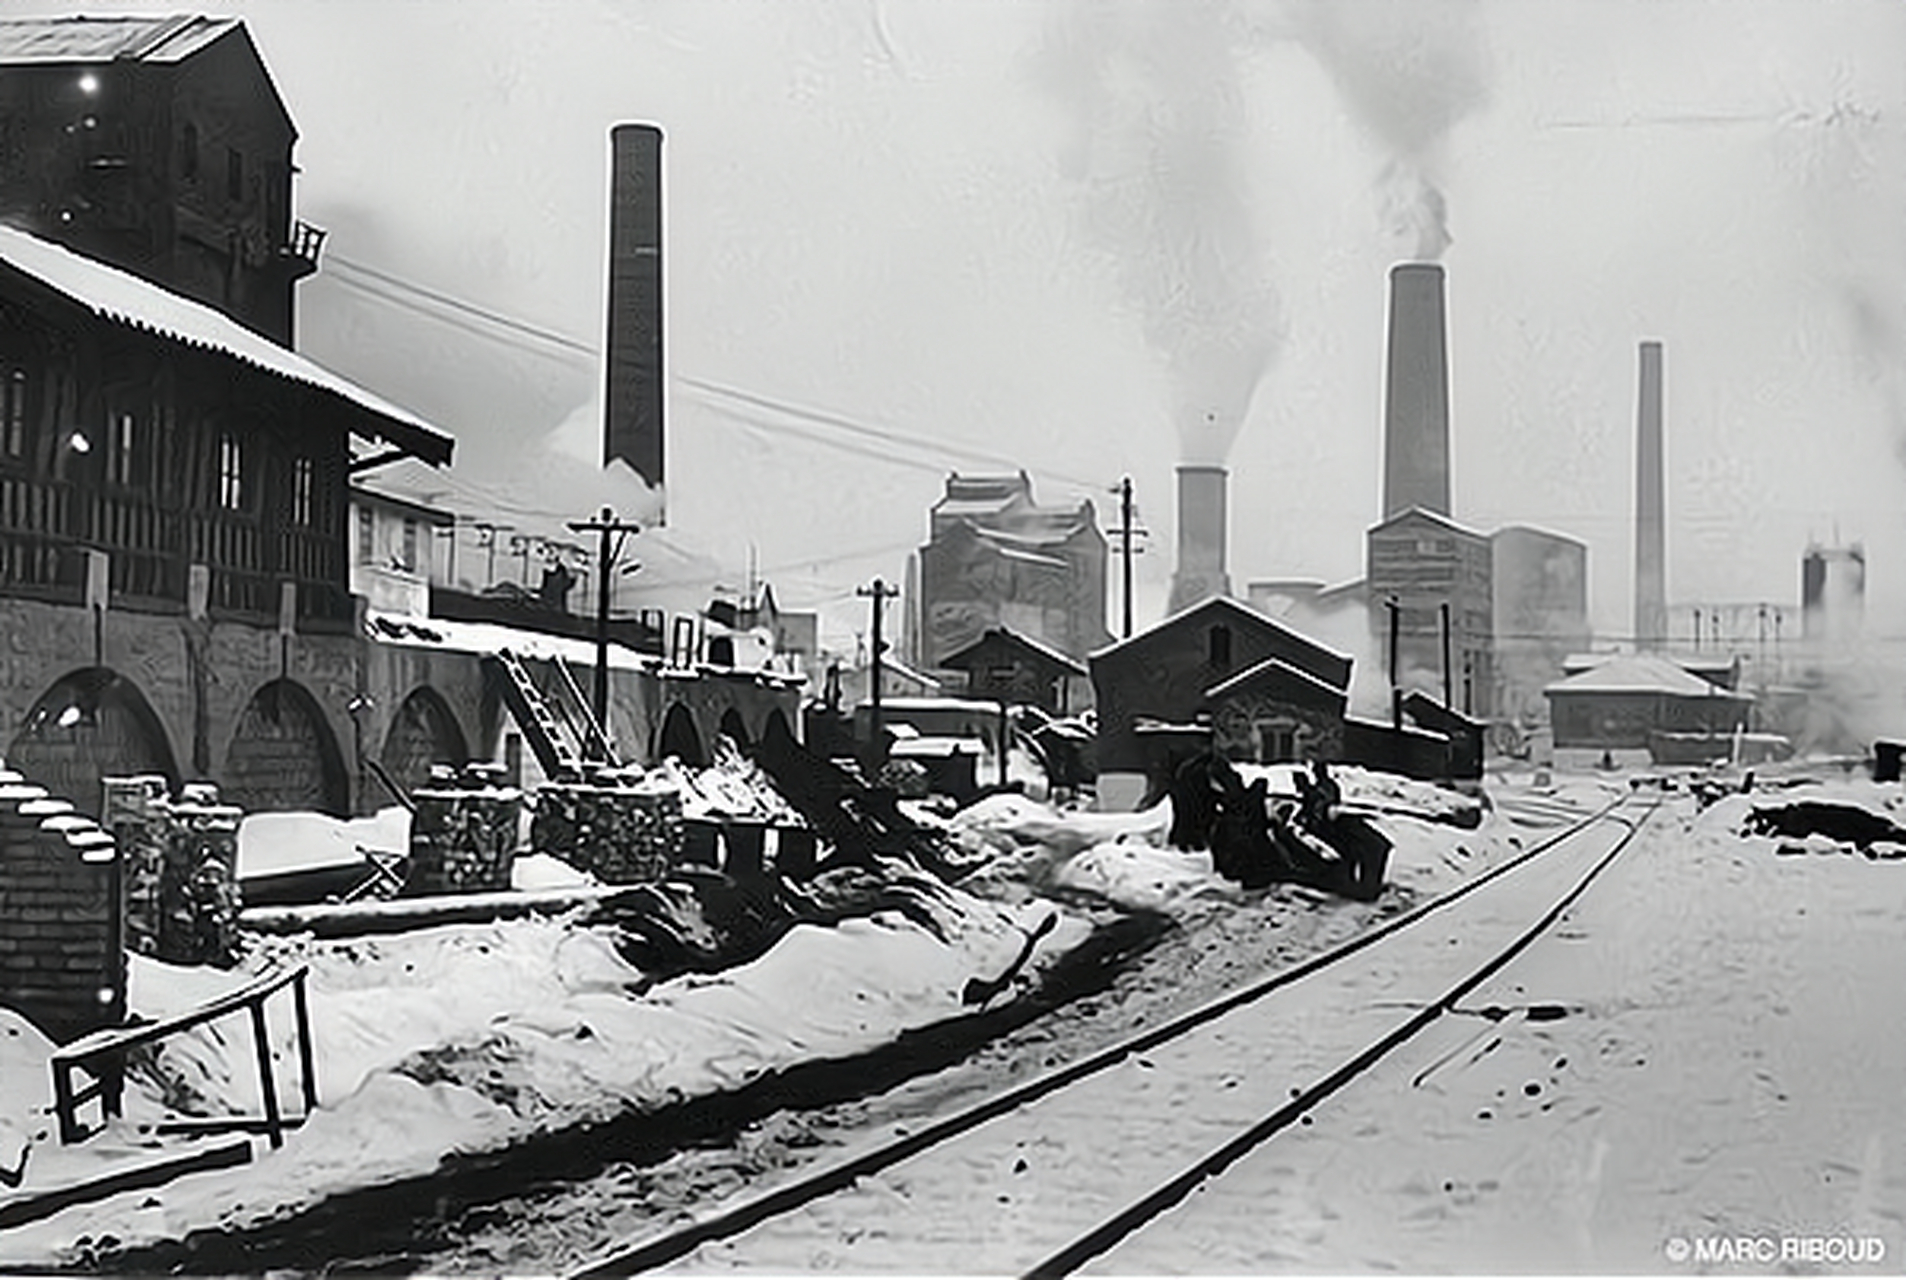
1715, 1080
472, 1038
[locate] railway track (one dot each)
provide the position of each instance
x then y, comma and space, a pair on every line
1042, 1178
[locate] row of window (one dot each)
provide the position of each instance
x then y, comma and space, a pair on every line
406, 557
131, 449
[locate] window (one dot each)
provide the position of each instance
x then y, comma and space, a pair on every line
231, 473
366, 535
122, 448
1219, 642
234, 174
301, 490
410, 545
189, 153
13, 395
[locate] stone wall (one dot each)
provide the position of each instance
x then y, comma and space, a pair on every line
617, 834
61, 964
180, 859
463, 834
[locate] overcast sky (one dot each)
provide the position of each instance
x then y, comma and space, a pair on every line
1094, 239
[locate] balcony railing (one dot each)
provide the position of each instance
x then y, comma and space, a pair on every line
46, 526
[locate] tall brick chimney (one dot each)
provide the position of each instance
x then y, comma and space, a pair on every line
1416, 398
632, 394
1651, 571
1201, 536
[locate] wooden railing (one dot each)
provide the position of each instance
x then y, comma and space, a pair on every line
45, 526
102, 1055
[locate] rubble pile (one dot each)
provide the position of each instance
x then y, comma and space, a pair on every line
1839, 824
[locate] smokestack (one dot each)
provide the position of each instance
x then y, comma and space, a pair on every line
632, 398
1651, 571
1201, 536
1416, 401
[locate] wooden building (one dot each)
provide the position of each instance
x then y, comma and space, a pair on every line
1004, 665
159, 145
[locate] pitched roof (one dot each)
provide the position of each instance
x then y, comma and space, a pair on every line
108, 37
1640, 673
1221, 604
1011, 637
1279, 667
126, 299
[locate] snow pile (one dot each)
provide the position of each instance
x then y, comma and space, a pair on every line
468, 1039
1840, 817
1371, 790
273, 843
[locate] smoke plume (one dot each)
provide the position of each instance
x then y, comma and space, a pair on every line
1151, 89
1409, 71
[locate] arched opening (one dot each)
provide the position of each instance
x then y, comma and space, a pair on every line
680, 738
424, 733
284, 756
91, 724
735, 730
777, 721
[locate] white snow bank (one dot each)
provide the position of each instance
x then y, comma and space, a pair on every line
272, 843
469, 1038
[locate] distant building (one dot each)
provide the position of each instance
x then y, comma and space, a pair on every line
996, 557
1539, 582
159, 145
1833, 595
1616, 709
393, 553
1425, 561
1005, 665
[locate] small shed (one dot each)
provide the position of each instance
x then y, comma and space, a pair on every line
1618, 704
1005, 665
1465, 733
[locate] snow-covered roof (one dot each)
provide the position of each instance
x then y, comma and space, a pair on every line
1256, 670
108, 37
1008, 634
1640, 673
124, 298
492, 637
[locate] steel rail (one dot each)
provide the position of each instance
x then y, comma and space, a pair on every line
735, 1217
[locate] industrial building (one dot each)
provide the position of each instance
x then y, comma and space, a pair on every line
997, 557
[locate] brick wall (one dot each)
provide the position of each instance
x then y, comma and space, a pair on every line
61, 962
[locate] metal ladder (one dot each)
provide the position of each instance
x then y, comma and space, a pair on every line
538, 720
591, 734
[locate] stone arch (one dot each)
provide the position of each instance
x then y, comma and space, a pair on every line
423, 732
775, 717
679, 737
91, 724
736, 728
283, 755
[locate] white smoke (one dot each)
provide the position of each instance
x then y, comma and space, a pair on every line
1159, 150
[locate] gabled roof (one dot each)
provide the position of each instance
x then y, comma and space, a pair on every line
1012, 639
124, 298
1281, 669
1216, 604
1424, 513
1641, 673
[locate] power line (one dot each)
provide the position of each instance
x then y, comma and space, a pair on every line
498, 318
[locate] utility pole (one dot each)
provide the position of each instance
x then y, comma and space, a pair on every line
608, 527
1396, 691
1125, 546
879, 593
1448, 676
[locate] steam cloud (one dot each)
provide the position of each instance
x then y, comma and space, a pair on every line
1153, 92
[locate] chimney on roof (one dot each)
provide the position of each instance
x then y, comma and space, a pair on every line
632, 395
1416, 398
1651, 573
